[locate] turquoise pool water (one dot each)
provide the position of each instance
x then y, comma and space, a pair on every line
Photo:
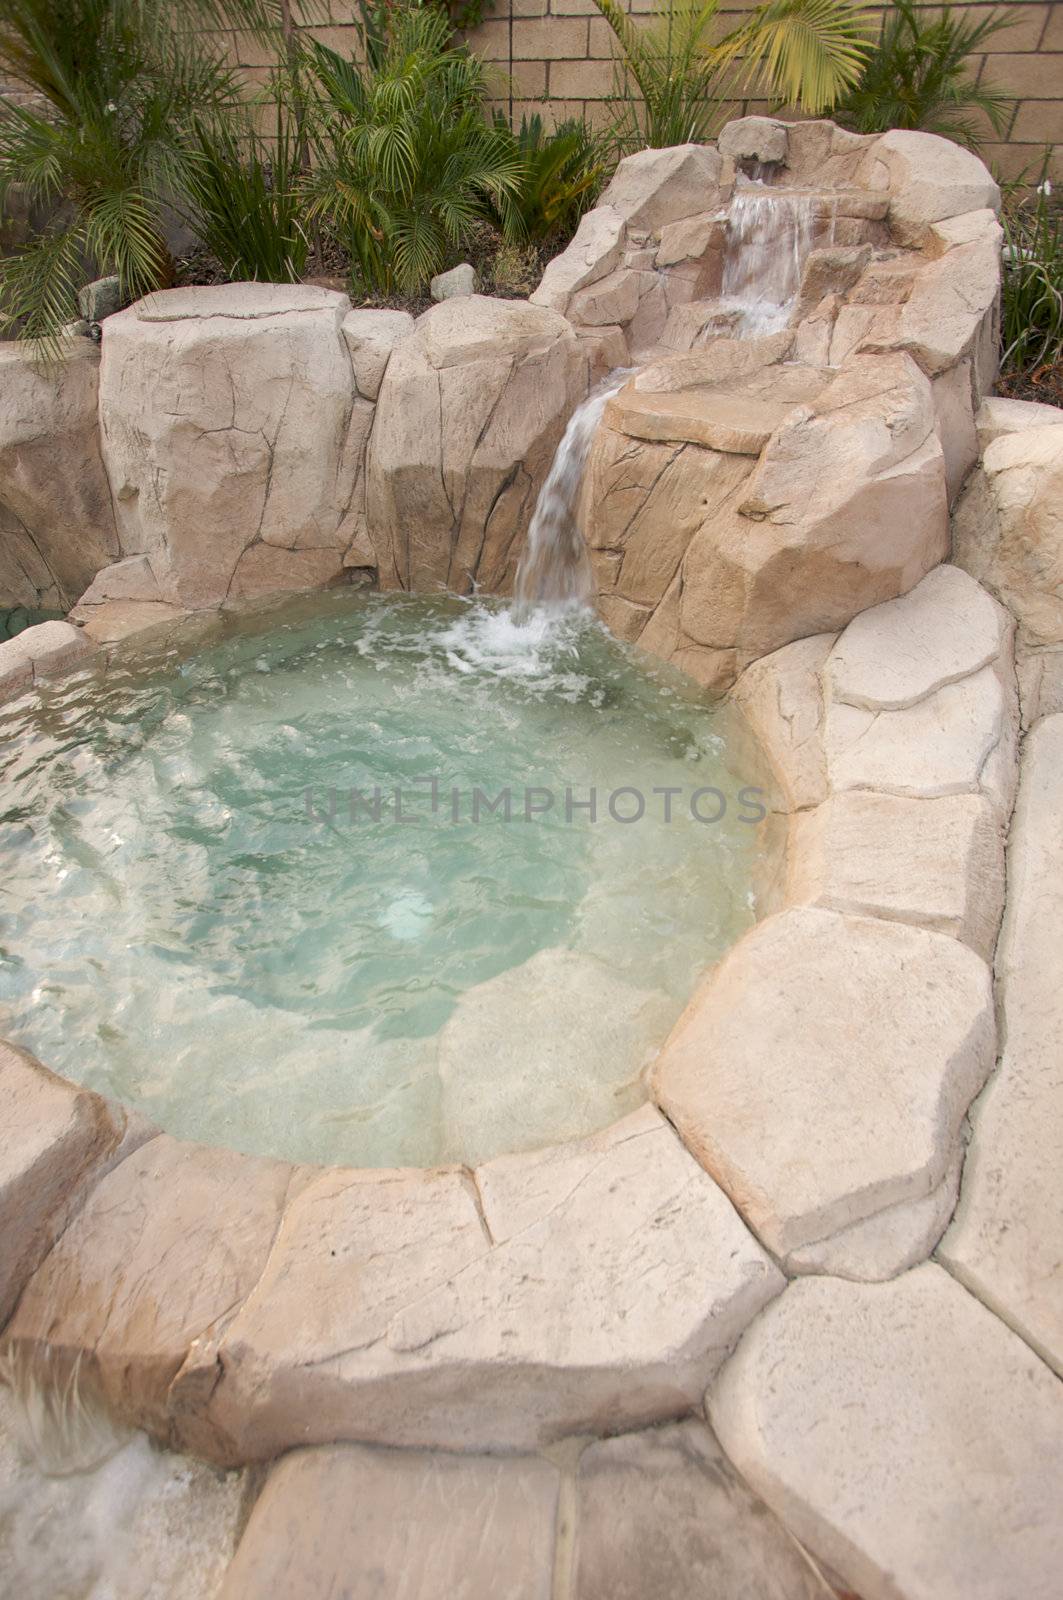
200, 918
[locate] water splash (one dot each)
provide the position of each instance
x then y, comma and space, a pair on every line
769, 235
555, 569
59, 1425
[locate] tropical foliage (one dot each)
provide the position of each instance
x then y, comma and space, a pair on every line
558, 177
103, 154
673, 78
241, 195
405, 160
920, 76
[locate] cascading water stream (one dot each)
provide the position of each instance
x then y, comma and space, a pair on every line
769, 235
555, 570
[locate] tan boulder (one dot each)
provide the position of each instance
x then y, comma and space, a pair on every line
57, 526
57, 1141
644, 503
346, 1521
140, 1287
886, 1243
471, 410
819, 154
997, 416
654, 187
1008, 529
959, 740
231, 423
594, 251
823, 1071
388, 1298
930, 179
934, 863
54, 648
846, 508
370, 337
613, 299
896, 654
761, 139
1006, 1242
691, 239
905, 1436
953, 310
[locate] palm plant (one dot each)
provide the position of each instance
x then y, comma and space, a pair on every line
119, 86
559, 176
919, 76
405, 161
673, 80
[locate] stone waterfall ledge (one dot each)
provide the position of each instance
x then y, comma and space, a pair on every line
256, 438
1006, 1243
905, 255
716, 539
904, 1434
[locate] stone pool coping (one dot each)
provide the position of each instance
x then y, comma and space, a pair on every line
238, 1306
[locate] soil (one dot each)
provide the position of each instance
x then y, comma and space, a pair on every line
1044, 384
509, 272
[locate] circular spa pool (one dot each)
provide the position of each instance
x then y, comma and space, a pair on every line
373, 880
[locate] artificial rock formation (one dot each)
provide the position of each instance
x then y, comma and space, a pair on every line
57, 527
233, 439
904, 1434
1006, 1242
757, 492
470, 412
719, 539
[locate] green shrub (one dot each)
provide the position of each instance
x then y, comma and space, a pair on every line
123, 83
920, 75
558, 178
242, 195
1032, 323
405, 161
672, 81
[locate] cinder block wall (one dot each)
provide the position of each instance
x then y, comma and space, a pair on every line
555, 56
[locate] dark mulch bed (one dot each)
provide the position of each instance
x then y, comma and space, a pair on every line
509, 272
1044, 384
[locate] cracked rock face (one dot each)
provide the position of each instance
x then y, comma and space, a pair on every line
233, 436
579, 1289
905, 1435
57, 527
711, 557
470, 412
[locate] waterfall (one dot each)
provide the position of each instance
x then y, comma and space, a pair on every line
555, 569
769, 235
